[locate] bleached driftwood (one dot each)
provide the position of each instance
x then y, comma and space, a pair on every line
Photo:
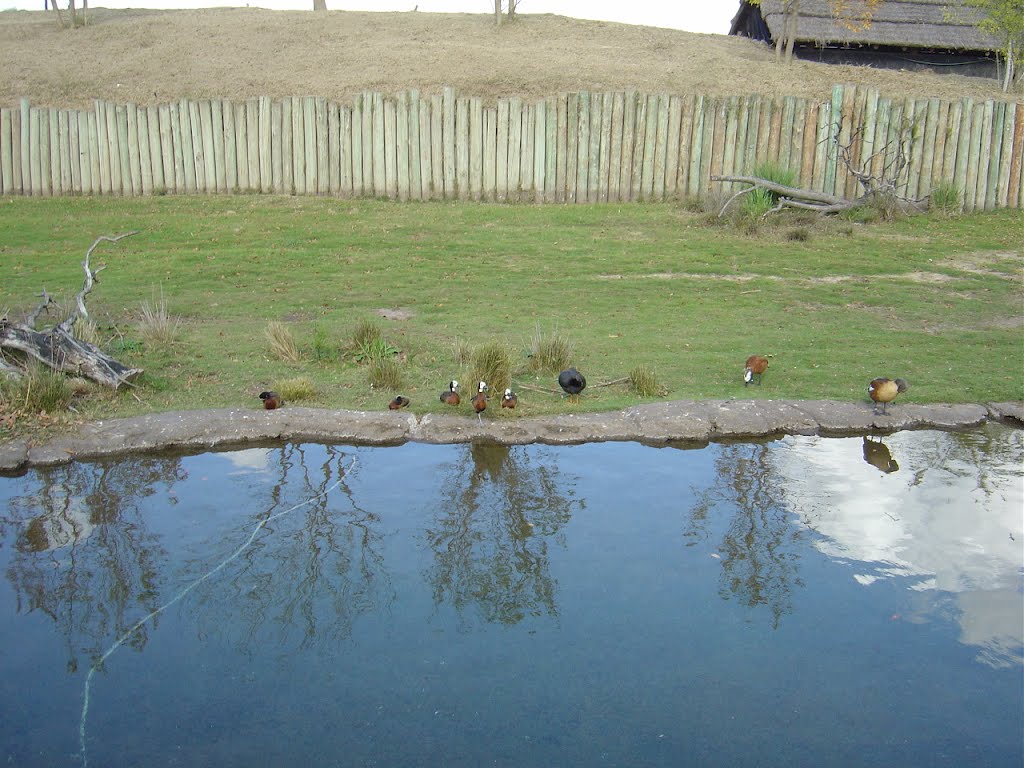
56, 346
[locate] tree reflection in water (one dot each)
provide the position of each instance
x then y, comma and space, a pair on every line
490, 543
91, 578
316, 571
760, 546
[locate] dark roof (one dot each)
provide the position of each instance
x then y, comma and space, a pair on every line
901, 23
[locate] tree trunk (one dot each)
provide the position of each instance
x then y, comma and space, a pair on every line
497, 12
319, 5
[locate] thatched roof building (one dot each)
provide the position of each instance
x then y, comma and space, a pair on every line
903, 33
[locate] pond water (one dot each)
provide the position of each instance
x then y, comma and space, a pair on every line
802, 601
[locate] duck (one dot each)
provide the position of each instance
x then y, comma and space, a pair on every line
877, 454
756, 365
572, 382
271, 400
884, 391
398, 403
451, 395
480, 399
509, 399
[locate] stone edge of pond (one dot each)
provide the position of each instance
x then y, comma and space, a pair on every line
697, 422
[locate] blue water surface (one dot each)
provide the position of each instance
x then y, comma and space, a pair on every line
782, 603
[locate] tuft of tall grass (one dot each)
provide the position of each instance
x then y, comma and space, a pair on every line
38, 390
492, 362
295, 390
157, 326
86, 330
462, 352
549, 352
322, 349
759, 201
645, 382
281, 341
365, 333
386, 374
945, 197
368, 344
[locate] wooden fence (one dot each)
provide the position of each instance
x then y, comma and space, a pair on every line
576, 147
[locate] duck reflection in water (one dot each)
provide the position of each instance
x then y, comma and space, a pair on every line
876, 453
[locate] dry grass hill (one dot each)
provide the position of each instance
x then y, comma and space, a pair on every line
152, 57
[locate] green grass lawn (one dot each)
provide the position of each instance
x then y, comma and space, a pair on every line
936, 300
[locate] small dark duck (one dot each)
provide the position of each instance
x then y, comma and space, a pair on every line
480, 399
398, 403
572, 382
884, 391
509, 399
756, 365
271, 400
451, 395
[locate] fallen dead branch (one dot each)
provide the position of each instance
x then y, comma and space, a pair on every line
56, 347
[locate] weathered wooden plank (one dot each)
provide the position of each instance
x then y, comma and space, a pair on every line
685, 142
490, 151
1005, 155
366, 132
310, 127
561, 144
920, 115
605, 147
426, 148
718, 139
287, 146
348, 158
540, 150
711, 108
155, 150
594, 184
198, 158
970, 151
572, 142
167, 148
615, 155
179, 126
808, 146
582, 153
985, 155
216, 118
209, 155
639, 130
6, 152
299, 146
85, 150
90, 174
949, 152
514, 180
501, 150
739, 142
731, 137
320, 157
660, 147
391, 148
230, 144
832, 142
17, 152
1015, 196
822, 140
415, 161
751, 153
25, 116
550, 147
796, 156
121, 130
240, 124
854, 100
870, 126
526, 156
277, 155
786, 128
939, 150
476, 148
145, 159
51, 159
380, 177
35, 153
333, 148
648, 167
995, 154
931, 125
448, 140
402, 150
358, 150
696, 146
264, 140
675, 115
64, 150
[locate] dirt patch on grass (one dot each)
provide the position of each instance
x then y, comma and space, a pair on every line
151, 57
396, 313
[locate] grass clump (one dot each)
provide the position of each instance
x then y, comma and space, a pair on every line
549, 352
86, 330
322, 348
282, 342
295, 390
157, 326
37, 390
644, 382
945, 197
759, 201
385, 373
368, 344
462, 352
492, 363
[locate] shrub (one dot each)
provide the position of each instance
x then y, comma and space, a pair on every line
38, 390
492, 363
385, 374
157, 326
946, 197
549, 353
295, 390
645, 382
